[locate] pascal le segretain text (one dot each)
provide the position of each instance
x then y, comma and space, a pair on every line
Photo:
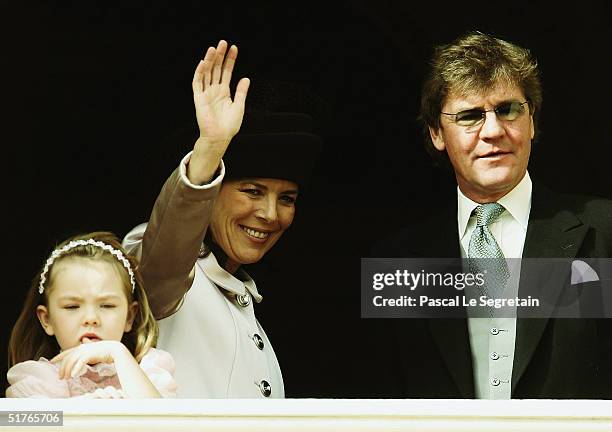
457, 301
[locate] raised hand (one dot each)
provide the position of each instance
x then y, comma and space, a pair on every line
219, 117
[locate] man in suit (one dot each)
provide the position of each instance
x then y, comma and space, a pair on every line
480, 105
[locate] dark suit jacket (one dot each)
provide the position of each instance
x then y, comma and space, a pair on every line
554, 358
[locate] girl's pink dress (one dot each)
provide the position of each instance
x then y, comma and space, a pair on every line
40, 379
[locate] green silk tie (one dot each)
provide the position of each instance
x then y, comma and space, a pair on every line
484, 252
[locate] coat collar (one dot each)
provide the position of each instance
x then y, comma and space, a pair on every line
225, 280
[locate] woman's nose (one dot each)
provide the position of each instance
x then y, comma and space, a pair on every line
267, 210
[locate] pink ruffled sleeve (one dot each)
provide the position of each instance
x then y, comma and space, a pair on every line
159, 366
36, 379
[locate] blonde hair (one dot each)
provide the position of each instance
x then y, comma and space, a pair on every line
30, 342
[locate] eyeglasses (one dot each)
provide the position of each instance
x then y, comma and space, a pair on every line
507, 111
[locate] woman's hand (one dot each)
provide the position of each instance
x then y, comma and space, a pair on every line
73, 360
219, 117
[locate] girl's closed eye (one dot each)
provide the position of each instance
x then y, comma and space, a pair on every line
108, 305
70, 306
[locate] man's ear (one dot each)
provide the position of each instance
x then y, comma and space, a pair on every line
436, 138
131, 316
43, 316
532, 126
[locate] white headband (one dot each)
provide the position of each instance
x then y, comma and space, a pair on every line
75, 243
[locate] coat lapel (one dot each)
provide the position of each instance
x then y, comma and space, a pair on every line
450, 335
551, 233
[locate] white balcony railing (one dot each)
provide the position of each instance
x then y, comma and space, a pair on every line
319, 415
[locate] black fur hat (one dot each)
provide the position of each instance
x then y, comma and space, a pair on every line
279, 145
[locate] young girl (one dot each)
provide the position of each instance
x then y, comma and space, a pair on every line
87, 312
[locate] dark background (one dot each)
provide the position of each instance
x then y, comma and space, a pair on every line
92, 90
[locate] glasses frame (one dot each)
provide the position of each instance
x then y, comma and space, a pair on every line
483, 113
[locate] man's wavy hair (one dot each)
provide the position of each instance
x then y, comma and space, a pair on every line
474, 64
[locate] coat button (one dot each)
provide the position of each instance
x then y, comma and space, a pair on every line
243, 299
494, 331
494, 356
259, 343
266, 388
495, 382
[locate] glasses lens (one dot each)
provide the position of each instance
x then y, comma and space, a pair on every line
468, 117
509, 110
